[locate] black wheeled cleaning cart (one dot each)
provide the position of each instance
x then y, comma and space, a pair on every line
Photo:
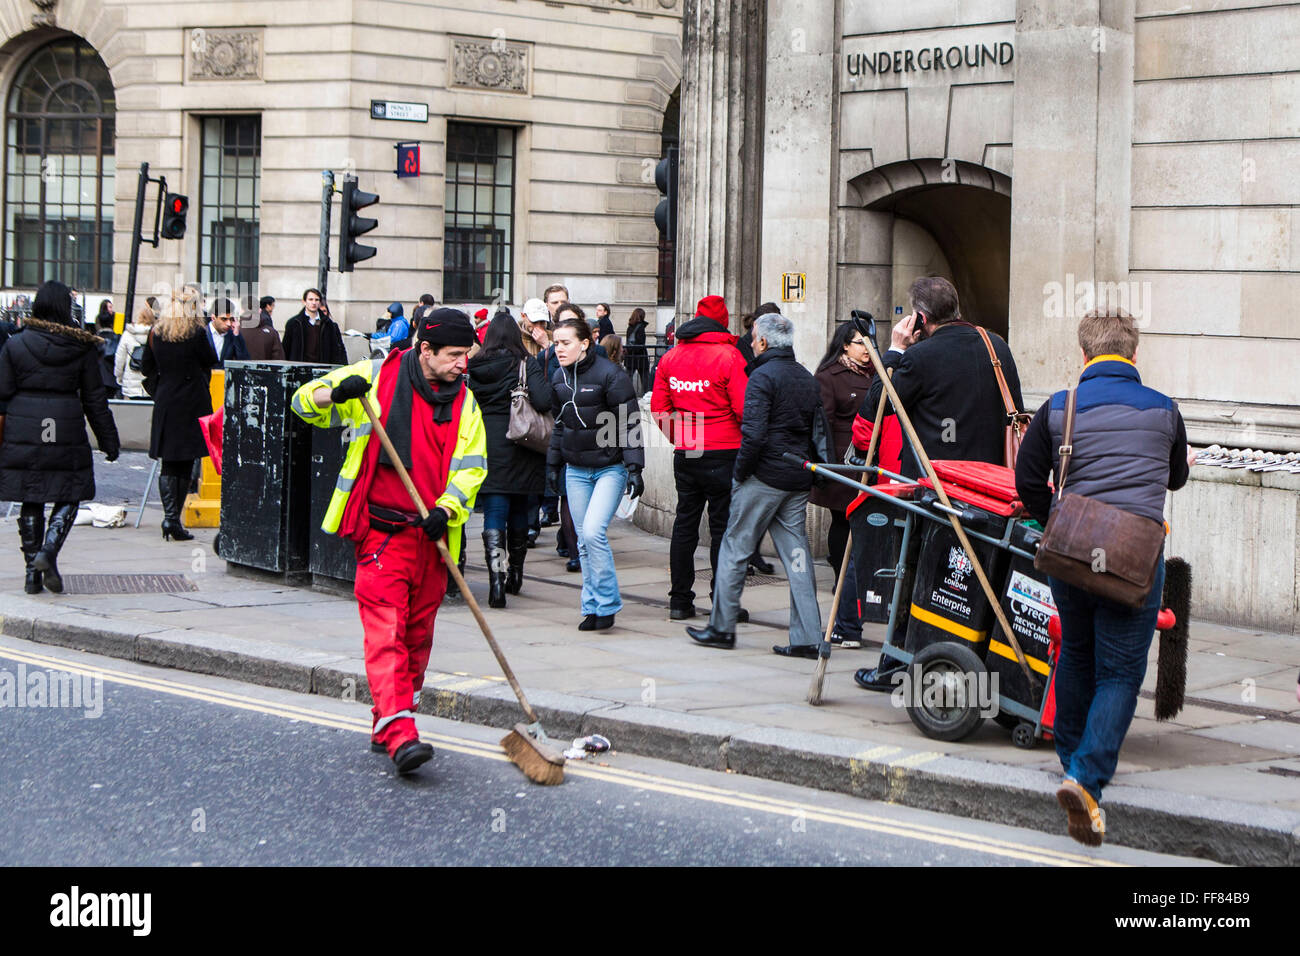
915, 576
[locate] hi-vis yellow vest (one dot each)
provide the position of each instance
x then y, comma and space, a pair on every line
468, 461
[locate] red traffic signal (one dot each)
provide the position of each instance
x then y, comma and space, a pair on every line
175, 209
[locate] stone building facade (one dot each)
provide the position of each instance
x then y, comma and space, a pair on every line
1045, 156
536, 159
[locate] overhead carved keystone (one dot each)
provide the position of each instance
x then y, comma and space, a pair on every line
496, 65
219, 54
45, 18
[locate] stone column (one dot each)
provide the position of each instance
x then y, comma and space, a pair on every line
1071, 181
799, 194
720, 173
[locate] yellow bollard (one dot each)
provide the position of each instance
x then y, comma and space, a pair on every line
203, 508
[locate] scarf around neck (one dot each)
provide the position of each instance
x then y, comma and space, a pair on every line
410, 383
853, 366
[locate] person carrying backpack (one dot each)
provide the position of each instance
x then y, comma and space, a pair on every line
128, 360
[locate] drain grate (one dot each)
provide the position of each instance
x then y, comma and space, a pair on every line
1280, 771
127, 583
751, 581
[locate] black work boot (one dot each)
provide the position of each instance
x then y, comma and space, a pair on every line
31, 532
517, 547
171, 489
494, 548
61, 518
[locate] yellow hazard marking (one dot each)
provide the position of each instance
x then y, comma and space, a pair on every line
631, 778
916, 759
952, 627
1004, 650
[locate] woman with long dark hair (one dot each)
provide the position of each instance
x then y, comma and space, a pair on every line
509, 495
592, 393
634, 354
179, 357
50, 387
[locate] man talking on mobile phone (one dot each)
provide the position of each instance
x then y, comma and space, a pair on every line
946, 381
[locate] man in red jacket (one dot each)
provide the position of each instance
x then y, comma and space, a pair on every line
698, 399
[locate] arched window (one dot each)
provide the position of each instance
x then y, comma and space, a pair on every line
59, 170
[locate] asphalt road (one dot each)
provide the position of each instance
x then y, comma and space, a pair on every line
180, 769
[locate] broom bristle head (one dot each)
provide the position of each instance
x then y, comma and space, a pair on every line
539, 762
1171, 664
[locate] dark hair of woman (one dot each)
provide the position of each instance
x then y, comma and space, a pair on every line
502, 336
844, 332
53, 303
579, 326
570, 307
637, 316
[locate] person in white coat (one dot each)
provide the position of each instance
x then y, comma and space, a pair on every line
134, 336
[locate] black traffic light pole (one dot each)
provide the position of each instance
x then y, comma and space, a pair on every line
136, 238
326, 204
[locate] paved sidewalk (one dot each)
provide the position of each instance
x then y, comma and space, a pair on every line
1222, 780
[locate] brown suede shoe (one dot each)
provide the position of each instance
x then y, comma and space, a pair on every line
1085, 820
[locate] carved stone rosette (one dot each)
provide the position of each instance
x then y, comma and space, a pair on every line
221, 54
497, 65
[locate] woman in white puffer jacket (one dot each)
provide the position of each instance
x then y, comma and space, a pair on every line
134, 336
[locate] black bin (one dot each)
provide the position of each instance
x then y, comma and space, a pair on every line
1027, 602
877, 530
266, 467
332, 557
948, 603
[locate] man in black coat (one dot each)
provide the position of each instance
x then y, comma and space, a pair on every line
223, 329
783, 414
312, 336
947, 383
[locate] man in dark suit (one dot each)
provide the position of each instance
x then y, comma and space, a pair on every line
946, 381
312, 336
223, 330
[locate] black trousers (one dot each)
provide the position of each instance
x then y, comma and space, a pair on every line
702, 479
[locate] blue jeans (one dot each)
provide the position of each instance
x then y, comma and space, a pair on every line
507, 511
1104, 649
594, 495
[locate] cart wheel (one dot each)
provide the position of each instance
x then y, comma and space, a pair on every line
1009, 721
1023, 735
944, 700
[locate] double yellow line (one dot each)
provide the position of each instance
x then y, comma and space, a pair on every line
794, 810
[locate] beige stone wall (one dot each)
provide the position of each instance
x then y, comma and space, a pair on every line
599, 75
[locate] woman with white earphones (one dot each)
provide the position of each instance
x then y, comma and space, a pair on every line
597, 439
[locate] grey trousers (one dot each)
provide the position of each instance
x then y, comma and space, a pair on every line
757, 509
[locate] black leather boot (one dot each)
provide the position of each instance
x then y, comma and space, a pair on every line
171, 490
31, 531
494, 549
517, 547
61, 518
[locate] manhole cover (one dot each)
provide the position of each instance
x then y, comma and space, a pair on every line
751, 580
127, 583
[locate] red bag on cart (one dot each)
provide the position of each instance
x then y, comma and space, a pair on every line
212, 426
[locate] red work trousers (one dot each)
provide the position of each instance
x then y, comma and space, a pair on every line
400, 583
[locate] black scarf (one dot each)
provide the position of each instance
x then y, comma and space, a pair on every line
411, 382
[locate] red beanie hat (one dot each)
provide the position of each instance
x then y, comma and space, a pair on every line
713, 307
481, 314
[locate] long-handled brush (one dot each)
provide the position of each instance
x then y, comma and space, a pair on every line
1171, 665
824, 651
527, 746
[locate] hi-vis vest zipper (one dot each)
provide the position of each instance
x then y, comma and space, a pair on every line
468, 460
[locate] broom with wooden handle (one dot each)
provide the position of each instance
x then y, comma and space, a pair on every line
824, 652
924, 459
526, 746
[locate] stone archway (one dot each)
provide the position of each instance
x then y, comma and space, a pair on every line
966, 210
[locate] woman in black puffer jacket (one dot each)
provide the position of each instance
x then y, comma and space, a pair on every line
509, 495
50, 386
597, 439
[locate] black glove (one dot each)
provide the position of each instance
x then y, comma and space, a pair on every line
354, 386
110, 455
435, 526
854, 456
553, 486
635, 483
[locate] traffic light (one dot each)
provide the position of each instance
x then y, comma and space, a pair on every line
666, 180
352, 226
175, 208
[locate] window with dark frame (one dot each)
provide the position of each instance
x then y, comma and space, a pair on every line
478, 227
60, 169
230, 193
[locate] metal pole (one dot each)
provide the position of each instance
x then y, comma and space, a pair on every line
326, 204
135, 241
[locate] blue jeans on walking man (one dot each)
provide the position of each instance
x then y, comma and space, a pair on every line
1104, 648
594, 495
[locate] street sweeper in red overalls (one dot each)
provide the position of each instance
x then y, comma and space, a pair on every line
437, 432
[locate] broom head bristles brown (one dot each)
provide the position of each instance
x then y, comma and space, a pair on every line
540, 763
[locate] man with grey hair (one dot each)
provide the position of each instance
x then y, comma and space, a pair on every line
783, 413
